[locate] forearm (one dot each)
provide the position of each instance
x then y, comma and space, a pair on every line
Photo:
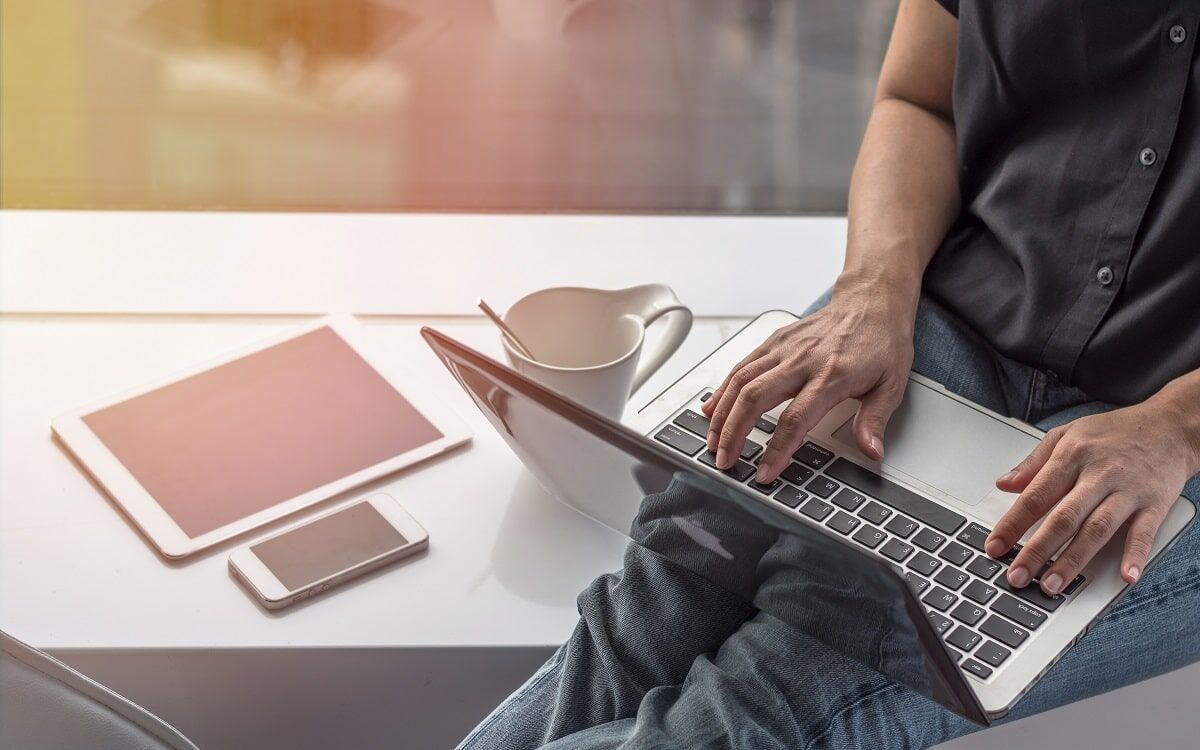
1180, 400
903, 198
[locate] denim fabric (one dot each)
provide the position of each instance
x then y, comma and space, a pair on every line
661, 658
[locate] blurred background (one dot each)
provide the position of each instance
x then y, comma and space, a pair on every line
631, 106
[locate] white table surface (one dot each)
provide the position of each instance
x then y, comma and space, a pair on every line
505, 560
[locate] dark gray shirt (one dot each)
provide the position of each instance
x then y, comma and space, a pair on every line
1078, 246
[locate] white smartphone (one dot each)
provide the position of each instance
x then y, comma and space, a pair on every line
314, 556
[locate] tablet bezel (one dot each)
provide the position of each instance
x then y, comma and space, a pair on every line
153, 520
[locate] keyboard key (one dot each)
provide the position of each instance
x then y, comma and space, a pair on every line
1032, 594
951, 577
1019, 611
896, 550
848, 499
916, 582
869, 536
956, 553
901, 527
977, 669
993, 653
812, 455
1011, 555
964, 637
875, 513
1004, 631
693, 422
790, 496
956, 655
968, 613
765, 425
750, 449
822, 487
1074, 584
796, 474
815, 509
843, 522
984, 567
974, 536
767, 488
978, 591
679, 440
707, 395
923, 564
928, 539
941, 623
741, 471
940, 599
907, 502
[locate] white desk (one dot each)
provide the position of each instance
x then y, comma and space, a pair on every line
92, 303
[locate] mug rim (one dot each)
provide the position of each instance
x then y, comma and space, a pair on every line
637, 345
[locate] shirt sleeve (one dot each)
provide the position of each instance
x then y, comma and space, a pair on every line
950, 5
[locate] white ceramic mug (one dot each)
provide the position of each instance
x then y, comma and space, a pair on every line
587, 343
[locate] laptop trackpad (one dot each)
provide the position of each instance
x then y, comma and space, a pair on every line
947, 445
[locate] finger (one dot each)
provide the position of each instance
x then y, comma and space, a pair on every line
800, 416
737, 380
1053, 481
1062, 523
1139, 541
708, 406
874, 412
1095, 532
756, 397
1019, 477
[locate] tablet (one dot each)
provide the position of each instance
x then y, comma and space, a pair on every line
229, 446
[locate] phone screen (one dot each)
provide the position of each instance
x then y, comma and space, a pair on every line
328, 545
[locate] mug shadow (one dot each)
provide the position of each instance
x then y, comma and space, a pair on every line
545, 551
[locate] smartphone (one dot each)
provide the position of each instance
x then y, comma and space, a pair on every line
314, 556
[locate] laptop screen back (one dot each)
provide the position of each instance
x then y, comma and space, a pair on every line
687, 525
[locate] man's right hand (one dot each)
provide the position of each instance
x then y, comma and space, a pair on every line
858, 346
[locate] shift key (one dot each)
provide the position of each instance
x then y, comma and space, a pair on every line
679, 440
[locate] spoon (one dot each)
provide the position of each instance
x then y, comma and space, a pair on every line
516, 342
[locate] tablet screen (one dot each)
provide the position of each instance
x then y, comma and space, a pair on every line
249, 434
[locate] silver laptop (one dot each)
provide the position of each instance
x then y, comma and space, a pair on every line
850, 550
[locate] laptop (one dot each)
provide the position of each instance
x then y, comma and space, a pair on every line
882, 561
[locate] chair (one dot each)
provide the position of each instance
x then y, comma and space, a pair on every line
44, 704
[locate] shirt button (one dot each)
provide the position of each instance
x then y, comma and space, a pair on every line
1104, 276
1147, 157
1177, 34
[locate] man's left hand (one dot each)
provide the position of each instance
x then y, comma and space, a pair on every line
1088, 479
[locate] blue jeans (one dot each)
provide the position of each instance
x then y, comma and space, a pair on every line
657, 661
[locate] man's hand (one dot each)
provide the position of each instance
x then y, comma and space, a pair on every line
1089, 478
860, 345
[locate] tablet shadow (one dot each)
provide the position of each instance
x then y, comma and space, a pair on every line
545, 551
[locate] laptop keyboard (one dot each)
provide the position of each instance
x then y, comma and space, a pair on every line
966, 593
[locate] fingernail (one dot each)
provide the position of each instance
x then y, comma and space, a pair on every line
1134, 573
712, 441
761, 476
877, 446
1008, 477
994, 547
722, 457
1018, 576
1052, 583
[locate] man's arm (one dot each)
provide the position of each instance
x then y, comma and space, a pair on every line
904, 192
903, 198
1095, 475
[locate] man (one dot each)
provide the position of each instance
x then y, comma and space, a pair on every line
1023, 227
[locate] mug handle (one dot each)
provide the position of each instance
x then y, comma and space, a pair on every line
657, 300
